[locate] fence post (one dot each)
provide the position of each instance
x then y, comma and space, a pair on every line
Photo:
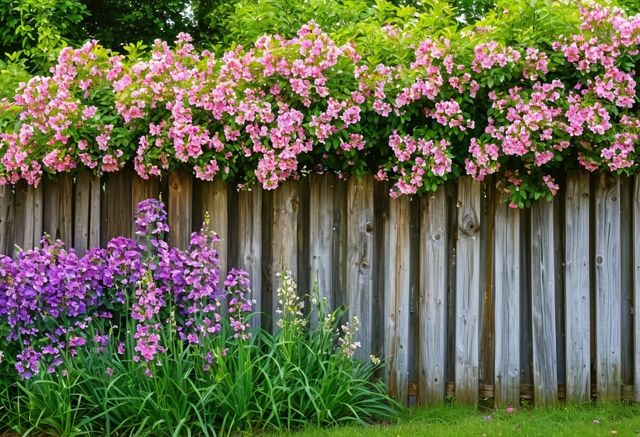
250, 244
636, 285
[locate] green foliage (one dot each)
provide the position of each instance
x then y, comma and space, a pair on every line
32, 31
295, 377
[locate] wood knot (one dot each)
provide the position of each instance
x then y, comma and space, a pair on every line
369, 227
469, 224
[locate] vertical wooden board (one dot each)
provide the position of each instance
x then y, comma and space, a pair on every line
249, 243
432, 310
180, 208
577, 283
486, 364
360, 233
636, 285
142, 189
6, 219
507, 305
322, 229
467, 290
608, 288
118, 211
626, 270
284, 232
215, 204
95, 216
82, 212
22, 230
396, 296
543, 304
58, 208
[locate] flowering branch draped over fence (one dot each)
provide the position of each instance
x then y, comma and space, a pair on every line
286, 107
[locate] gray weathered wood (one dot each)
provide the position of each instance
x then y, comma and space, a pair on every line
577, 283
141, 189
58, 208
6, 219
284, 235
82, 212
250, 244
180, 208
360, 229
95, 211
507, 305
608, 288
215, 203
467, 291
636, 285
322, 233
397, 287
432, 312
543, 304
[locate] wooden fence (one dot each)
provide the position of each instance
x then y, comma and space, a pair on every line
461, 295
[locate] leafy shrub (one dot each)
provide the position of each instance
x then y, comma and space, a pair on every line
138, 339
481, 102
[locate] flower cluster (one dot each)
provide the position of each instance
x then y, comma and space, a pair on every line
275, 110
53, 302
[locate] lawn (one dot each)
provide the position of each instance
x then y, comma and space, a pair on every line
451, 420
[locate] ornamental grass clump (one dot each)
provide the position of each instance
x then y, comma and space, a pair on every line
138, 338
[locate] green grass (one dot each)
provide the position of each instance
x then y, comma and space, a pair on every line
452, 420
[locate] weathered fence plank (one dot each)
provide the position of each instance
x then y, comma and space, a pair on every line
432, 313
215, 203
467, 290
507, 305
82, 212
360, 230
543, 304
636, 284
6, 219
397, 289
608, 288
180, 208
142, 189
117, 206
95, 223
577, 283
58, 208
321, 238
250, 244
284, 234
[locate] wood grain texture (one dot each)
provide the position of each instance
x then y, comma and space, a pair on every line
608, 288
95, 213
467, 291
432, 311
360, 233
636, 285
397, 288
507, 305
118, 211
58, 208
142, 189
180, 208
249, 244
6, 219
82, 212
577, 283
543, 304
284, 235
215, 204
322, 235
